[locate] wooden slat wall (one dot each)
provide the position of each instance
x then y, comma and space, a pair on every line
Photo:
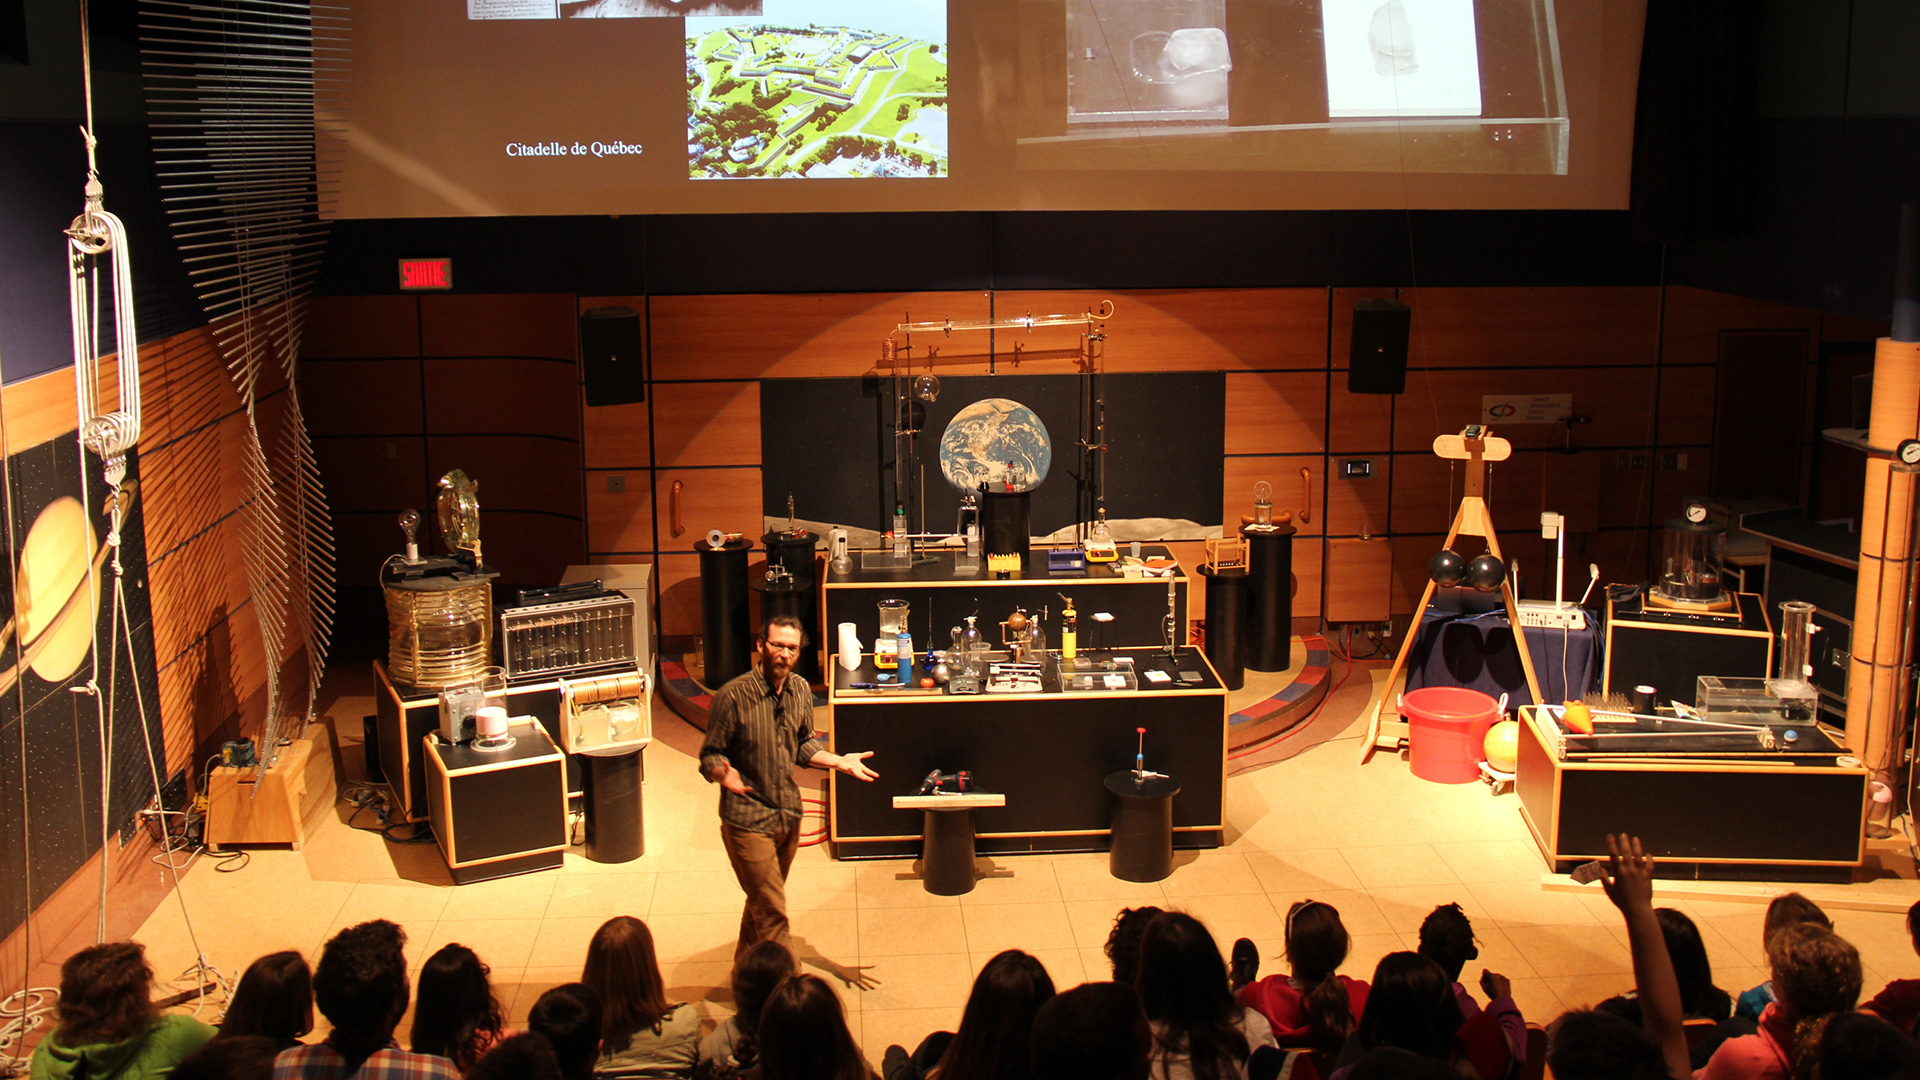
1640, 362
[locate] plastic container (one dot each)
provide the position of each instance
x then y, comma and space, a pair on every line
1447, 731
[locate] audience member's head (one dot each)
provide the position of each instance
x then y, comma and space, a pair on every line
1183, 988
1317, 943
274, 998
804, 1036
1913, 925
1393, 1063
568, 1017
1123, 941
521, 1057
1788, 909
103, 995
1698, 996
1411, 1006
758, 972
623, 969
1095, 1031
455, 1015
230, 1057
1816, 974
361, 987
1860, 1046
1446, 938
997, 1025
1588, 1045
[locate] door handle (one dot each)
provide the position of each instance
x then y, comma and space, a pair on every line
673, 501
1306, 495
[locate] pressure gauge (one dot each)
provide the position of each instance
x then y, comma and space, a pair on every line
1696, 512
1908, 451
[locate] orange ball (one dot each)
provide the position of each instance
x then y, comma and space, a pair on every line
1502, 745
1579, 718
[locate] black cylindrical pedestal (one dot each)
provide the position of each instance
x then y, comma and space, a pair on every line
794, 550
1006, 522
946, 860
1269, 616
785, 598
1142, 826
723, 610
611, 785
1226, 609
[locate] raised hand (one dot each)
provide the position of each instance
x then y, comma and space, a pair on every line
1629, 877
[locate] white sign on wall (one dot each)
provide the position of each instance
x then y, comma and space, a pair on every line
1525, 408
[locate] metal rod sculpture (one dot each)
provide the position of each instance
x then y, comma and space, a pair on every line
233, 90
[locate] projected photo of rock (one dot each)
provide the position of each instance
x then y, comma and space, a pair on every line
821, 89
1158, 61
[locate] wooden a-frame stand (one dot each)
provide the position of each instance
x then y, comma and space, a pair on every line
1470, 520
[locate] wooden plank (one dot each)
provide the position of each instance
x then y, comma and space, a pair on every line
1276, 413
707, 423
803, 335
970, 801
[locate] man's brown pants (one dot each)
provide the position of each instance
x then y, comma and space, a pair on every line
761, 862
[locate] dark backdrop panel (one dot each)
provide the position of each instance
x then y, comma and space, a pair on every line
830, 444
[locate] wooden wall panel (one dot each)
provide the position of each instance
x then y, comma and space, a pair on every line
1626, 477
1533, 327
620, 521
806, 335
706, 423
1358, 423
724, 499
1356, 506
1672, 487
361, 326
1181, 330
1616, 400
1695, 319
503, 395
616, 436
1276, 412
511, 324
1290, 492
678, 579
374, 474
184, 386
1427, 491
180, 486
515, 472
362, 397
1570, 486
1686, 405
530, 549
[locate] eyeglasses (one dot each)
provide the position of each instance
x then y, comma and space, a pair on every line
781, 647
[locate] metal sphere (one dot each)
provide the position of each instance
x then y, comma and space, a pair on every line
1446, 568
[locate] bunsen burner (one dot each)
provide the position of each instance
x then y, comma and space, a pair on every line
1006, 522
1268, 644
724, 624
793, 549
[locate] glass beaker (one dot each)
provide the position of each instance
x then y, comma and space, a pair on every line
893, 617
1796, 642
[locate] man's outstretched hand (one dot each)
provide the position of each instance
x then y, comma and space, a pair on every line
855, 765
734, 782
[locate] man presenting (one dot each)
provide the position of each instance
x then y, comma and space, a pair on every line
759, 729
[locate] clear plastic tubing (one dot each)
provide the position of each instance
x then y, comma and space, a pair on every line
1796, 635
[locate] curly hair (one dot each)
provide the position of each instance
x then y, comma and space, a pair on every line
1123, 941
1816, 974
361, 987
1446, 938
103, 994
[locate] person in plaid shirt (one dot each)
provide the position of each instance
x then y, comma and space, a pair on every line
361, 988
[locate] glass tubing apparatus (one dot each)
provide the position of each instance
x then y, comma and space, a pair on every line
1090, 483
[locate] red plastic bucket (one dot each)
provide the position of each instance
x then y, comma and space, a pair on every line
1447, 727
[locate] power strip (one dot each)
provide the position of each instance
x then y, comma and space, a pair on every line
1539, 614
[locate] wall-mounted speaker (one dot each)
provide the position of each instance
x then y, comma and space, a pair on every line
1378, 360
611, 359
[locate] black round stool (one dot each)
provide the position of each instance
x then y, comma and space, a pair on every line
1142, 826
946, 854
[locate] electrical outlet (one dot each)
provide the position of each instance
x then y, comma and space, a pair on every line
616, 483
1356, 468
1675, 462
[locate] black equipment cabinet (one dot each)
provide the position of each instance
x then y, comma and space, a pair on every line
1670, 650
498, 813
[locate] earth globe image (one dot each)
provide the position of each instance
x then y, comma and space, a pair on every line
997, 442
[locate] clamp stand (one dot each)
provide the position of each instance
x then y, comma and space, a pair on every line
1477, 447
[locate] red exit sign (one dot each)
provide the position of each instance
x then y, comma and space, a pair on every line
426, 274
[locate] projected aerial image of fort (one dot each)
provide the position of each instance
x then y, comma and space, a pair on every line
767, 100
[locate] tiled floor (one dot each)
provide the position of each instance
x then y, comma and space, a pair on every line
1380, 845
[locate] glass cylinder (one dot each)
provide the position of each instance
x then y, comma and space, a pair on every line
1796, 639
1691, 559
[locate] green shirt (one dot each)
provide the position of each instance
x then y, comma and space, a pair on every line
147, 1056
764, 736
